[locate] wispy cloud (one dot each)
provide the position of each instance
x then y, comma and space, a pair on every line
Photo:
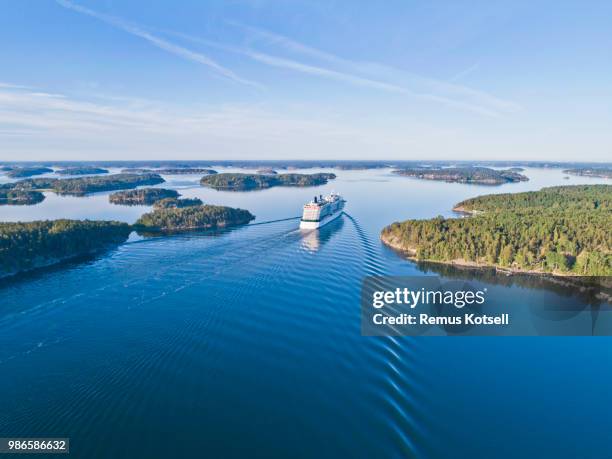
158, 42
43, 125
343, 76
445, 92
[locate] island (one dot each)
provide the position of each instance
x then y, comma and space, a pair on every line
141, 197
80, 186
27, 246
186, 170
20, 172
85, 170
20, 197
563, 231
599, 172
192, 218
171, 171
267, 171
137, 170
244, 182
171, 203
476, 175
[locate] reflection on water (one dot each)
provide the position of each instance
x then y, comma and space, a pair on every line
590, 290
313, 239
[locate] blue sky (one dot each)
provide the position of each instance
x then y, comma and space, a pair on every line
269, 79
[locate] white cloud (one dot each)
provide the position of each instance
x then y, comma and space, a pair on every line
40, 125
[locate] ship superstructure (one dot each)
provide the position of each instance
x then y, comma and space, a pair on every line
322, 210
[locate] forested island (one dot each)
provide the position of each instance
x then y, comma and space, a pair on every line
85, 170
601, 172
26, 246
32, 245
186, 170
477, 175
83, 185
20, 197
171, 203
243, 182
562, 230
142, 196
192, 218
171, 171
19, 172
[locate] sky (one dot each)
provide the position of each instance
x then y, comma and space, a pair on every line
305, 79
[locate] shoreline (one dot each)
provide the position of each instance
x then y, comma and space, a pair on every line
410, 253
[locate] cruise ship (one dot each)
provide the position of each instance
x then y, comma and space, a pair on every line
321, 210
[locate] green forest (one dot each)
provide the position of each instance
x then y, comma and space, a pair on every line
19, 172
481, 175
562, 230
25, 246
20, 197
171, 203
83, 185
85, 170
142, 196
241, 182
193, 217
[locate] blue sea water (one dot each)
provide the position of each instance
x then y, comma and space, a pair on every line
247, 343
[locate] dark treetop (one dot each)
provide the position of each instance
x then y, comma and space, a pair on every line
480, 175
20, 197
84, 185
193, 217
240, 182
169, 203
85, 170
26, 246
562, 230
142, 196
28, 171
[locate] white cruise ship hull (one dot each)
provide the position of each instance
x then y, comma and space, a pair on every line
309, 225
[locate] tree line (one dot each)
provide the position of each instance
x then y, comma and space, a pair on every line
564, 230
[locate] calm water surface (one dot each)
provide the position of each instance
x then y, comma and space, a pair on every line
247, 342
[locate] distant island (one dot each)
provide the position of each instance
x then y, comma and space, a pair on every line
600, 172
82, 185
186, 170
27, 246
85, 170
173, 171
477, 175
563, 230
20, 197
20, 172
243, 182
192, 218
267, 172
171, 203
141, 197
